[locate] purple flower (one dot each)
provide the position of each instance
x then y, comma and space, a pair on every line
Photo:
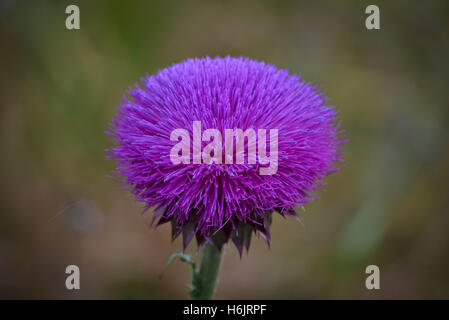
213, 201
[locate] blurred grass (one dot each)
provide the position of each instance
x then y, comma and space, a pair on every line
388, 206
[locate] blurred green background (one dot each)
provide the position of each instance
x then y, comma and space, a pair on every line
388, 206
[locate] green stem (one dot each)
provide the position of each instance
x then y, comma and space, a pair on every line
204, 280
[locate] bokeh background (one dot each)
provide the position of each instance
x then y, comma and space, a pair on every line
388, 206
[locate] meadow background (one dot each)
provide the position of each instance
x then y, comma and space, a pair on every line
59, 90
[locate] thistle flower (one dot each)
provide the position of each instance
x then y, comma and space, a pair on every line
219, 201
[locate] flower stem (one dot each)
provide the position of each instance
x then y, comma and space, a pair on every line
204, 280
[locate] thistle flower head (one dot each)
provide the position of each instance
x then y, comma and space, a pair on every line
223, 199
